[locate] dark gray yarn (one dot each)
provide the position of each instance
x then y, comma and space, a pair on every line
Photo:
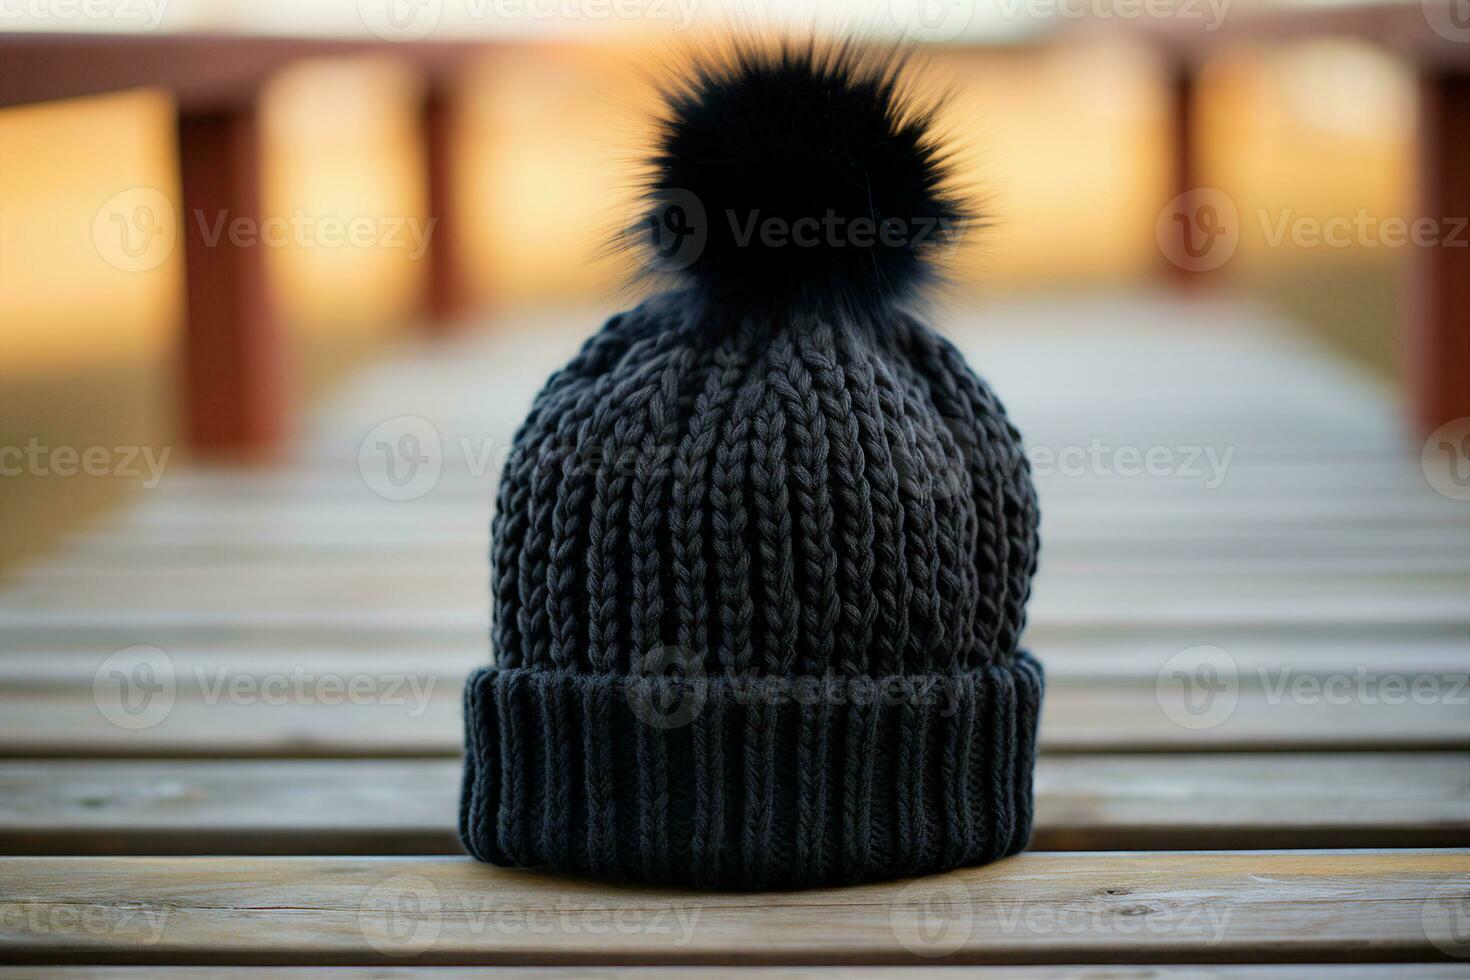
841, 514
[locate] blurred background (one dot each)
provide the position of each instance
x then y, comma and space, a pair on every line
1063, 112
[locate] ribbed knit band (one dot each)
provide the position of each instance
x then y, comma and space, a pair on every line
733, 783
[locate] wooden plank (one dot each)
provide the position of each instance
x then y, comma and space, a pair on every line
169, 514
386, 711
1295, 971
333, 587
384, 597
1259, 661
1148, 907
385, 806
460, 537
166, 560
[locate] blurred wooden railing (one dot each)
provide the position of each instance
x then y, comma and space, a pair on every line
235, 395
1433, 38
235, 398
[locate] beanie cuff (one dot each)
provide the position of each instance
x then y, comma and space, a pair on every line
729, 782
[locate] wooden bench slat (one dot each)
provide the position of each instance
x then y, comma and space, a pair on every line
384, 806
170, 514
392, 717
1262, 659
390, 599
1160, 907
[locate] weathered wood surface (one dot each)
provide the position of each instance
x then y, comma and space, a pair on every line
390, 716
1323, 566
383, 806
1282, 906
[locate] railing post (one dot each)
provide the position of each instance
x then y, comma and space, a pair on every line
1436, 302
1183, 157
448, 296
234, 389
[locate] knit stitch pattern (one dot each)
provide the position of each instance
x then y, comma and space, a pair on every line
758, 594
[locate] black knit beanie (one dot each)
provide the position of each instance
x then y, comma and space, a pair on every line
762, 550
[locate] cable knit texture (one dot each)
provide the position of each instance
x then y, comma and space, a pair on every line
757, 598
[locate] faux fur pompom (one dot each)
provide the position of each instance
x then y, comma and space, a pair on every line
798, 178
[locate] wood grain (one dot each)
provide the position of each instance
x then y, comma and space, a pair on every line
1264, 906
400, 720
385, 806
